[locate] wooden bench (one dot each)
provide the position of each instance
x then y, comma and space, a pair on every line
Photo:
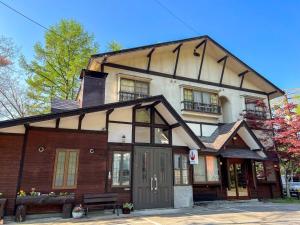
99, 201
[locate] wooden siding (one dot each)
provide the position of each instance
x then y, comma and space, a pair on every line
10, 154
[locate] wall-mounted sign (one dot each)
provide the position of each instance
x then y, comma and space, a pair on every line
193, 157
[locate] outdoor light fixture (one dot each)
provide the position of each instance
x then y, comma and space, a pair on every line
41, 149
196, 53
92, 151
234, 138
123, 138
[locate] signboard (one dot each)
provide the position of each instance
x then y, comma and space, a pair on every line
193, 157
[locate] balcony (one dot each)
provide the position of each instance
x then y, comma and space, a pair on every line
255, 114
201, 107
127, 96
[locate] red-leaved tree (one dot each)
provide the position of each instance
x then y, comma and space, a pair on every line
286, 125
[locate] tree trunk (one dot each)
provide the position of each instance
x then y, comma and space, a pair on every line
287, 184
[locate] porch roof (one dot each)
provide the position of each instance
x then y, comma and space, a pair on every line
242, 154
222, 135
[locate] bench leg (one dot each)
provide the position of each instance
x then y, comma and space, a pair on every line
67, 210
20, 213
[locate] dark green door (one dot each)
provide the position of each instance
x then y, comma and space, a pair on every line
152, 178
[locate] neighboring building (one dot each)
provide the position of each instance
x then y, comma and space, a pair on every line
140, 113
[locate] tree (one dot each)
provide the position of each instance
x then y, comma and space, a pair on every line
56, 66
13, 98
286, 124
114, 46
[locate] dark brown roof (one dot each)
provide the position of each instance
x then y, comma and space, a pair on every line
241, 154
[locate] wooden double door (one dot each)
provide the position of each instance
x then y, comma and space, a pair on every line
152, 177
237, 179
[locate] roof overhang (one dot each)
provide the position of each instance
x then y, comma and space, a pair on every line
215, 48
159, 102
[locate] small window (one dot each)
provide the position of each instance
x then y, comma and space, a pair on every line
260, 171
158, 119
133, 89
65, 170
142, 115
121, 169
161, 136
265, 171
207, 170
142, 134
181, 172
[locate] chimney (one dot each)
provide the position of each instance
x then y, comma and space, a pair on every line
92, 92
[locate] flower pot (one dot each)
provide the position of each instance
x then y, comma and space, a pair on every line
77, 213
126, 211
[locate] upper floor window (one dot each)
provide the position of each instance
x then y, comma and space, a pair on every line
133, 89
200, 101
255, 108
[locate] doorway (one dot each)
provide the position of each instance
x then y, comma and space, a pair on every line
152, 177
237, 180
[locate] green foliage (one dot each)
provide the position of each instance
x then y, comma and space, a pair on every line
114, 46
297, 98
54, 71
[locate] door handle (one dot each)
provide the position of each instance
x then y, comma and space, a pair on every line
151, 184
155, 179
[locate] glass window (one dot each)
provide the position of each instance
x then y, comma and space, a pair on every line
181, 173
65, 170
127, 85
121, 169
142, 134
207, 170
142, 115
212, 168
270, 172
200, 97
260, 171
161, 136
199, 170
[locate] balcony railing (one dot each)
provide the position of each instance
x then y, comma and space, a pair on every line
201, 107
127, 96
255, 114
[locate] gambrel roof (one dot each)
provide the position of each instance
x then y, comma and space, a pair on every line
244, 70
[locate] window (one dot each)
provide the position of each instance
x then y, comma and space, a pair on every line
181, 172
133, 89
121, 169
255, 108
265, 171
200, 101
150, 127
65, 169
207, 170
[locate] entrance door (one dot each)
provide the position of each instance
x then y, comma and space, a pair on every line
237, 174
152, 178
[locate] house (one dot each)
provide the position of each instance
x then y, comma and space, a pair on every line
163, 125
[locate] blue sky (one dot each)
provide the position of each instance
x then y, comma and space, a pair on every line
264, 34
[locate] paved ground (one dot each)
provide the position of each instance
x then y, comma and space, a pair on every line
220, 213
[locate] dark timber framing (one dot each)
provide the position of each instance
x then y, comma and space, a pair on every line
177, 58
57, 123
202, 57
21, 168
139, 70
108, 112
149, 58
224, 59
242, 74
187, 40
80, 121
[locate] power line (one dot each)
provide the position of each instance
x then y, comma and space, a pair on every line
31, 20
177, 17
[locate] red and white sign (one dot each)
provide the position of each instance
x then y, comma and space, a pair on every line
193, 157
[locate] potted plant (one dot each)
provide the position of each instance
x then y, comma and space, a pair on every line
78, 212
21, 193
127, 207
